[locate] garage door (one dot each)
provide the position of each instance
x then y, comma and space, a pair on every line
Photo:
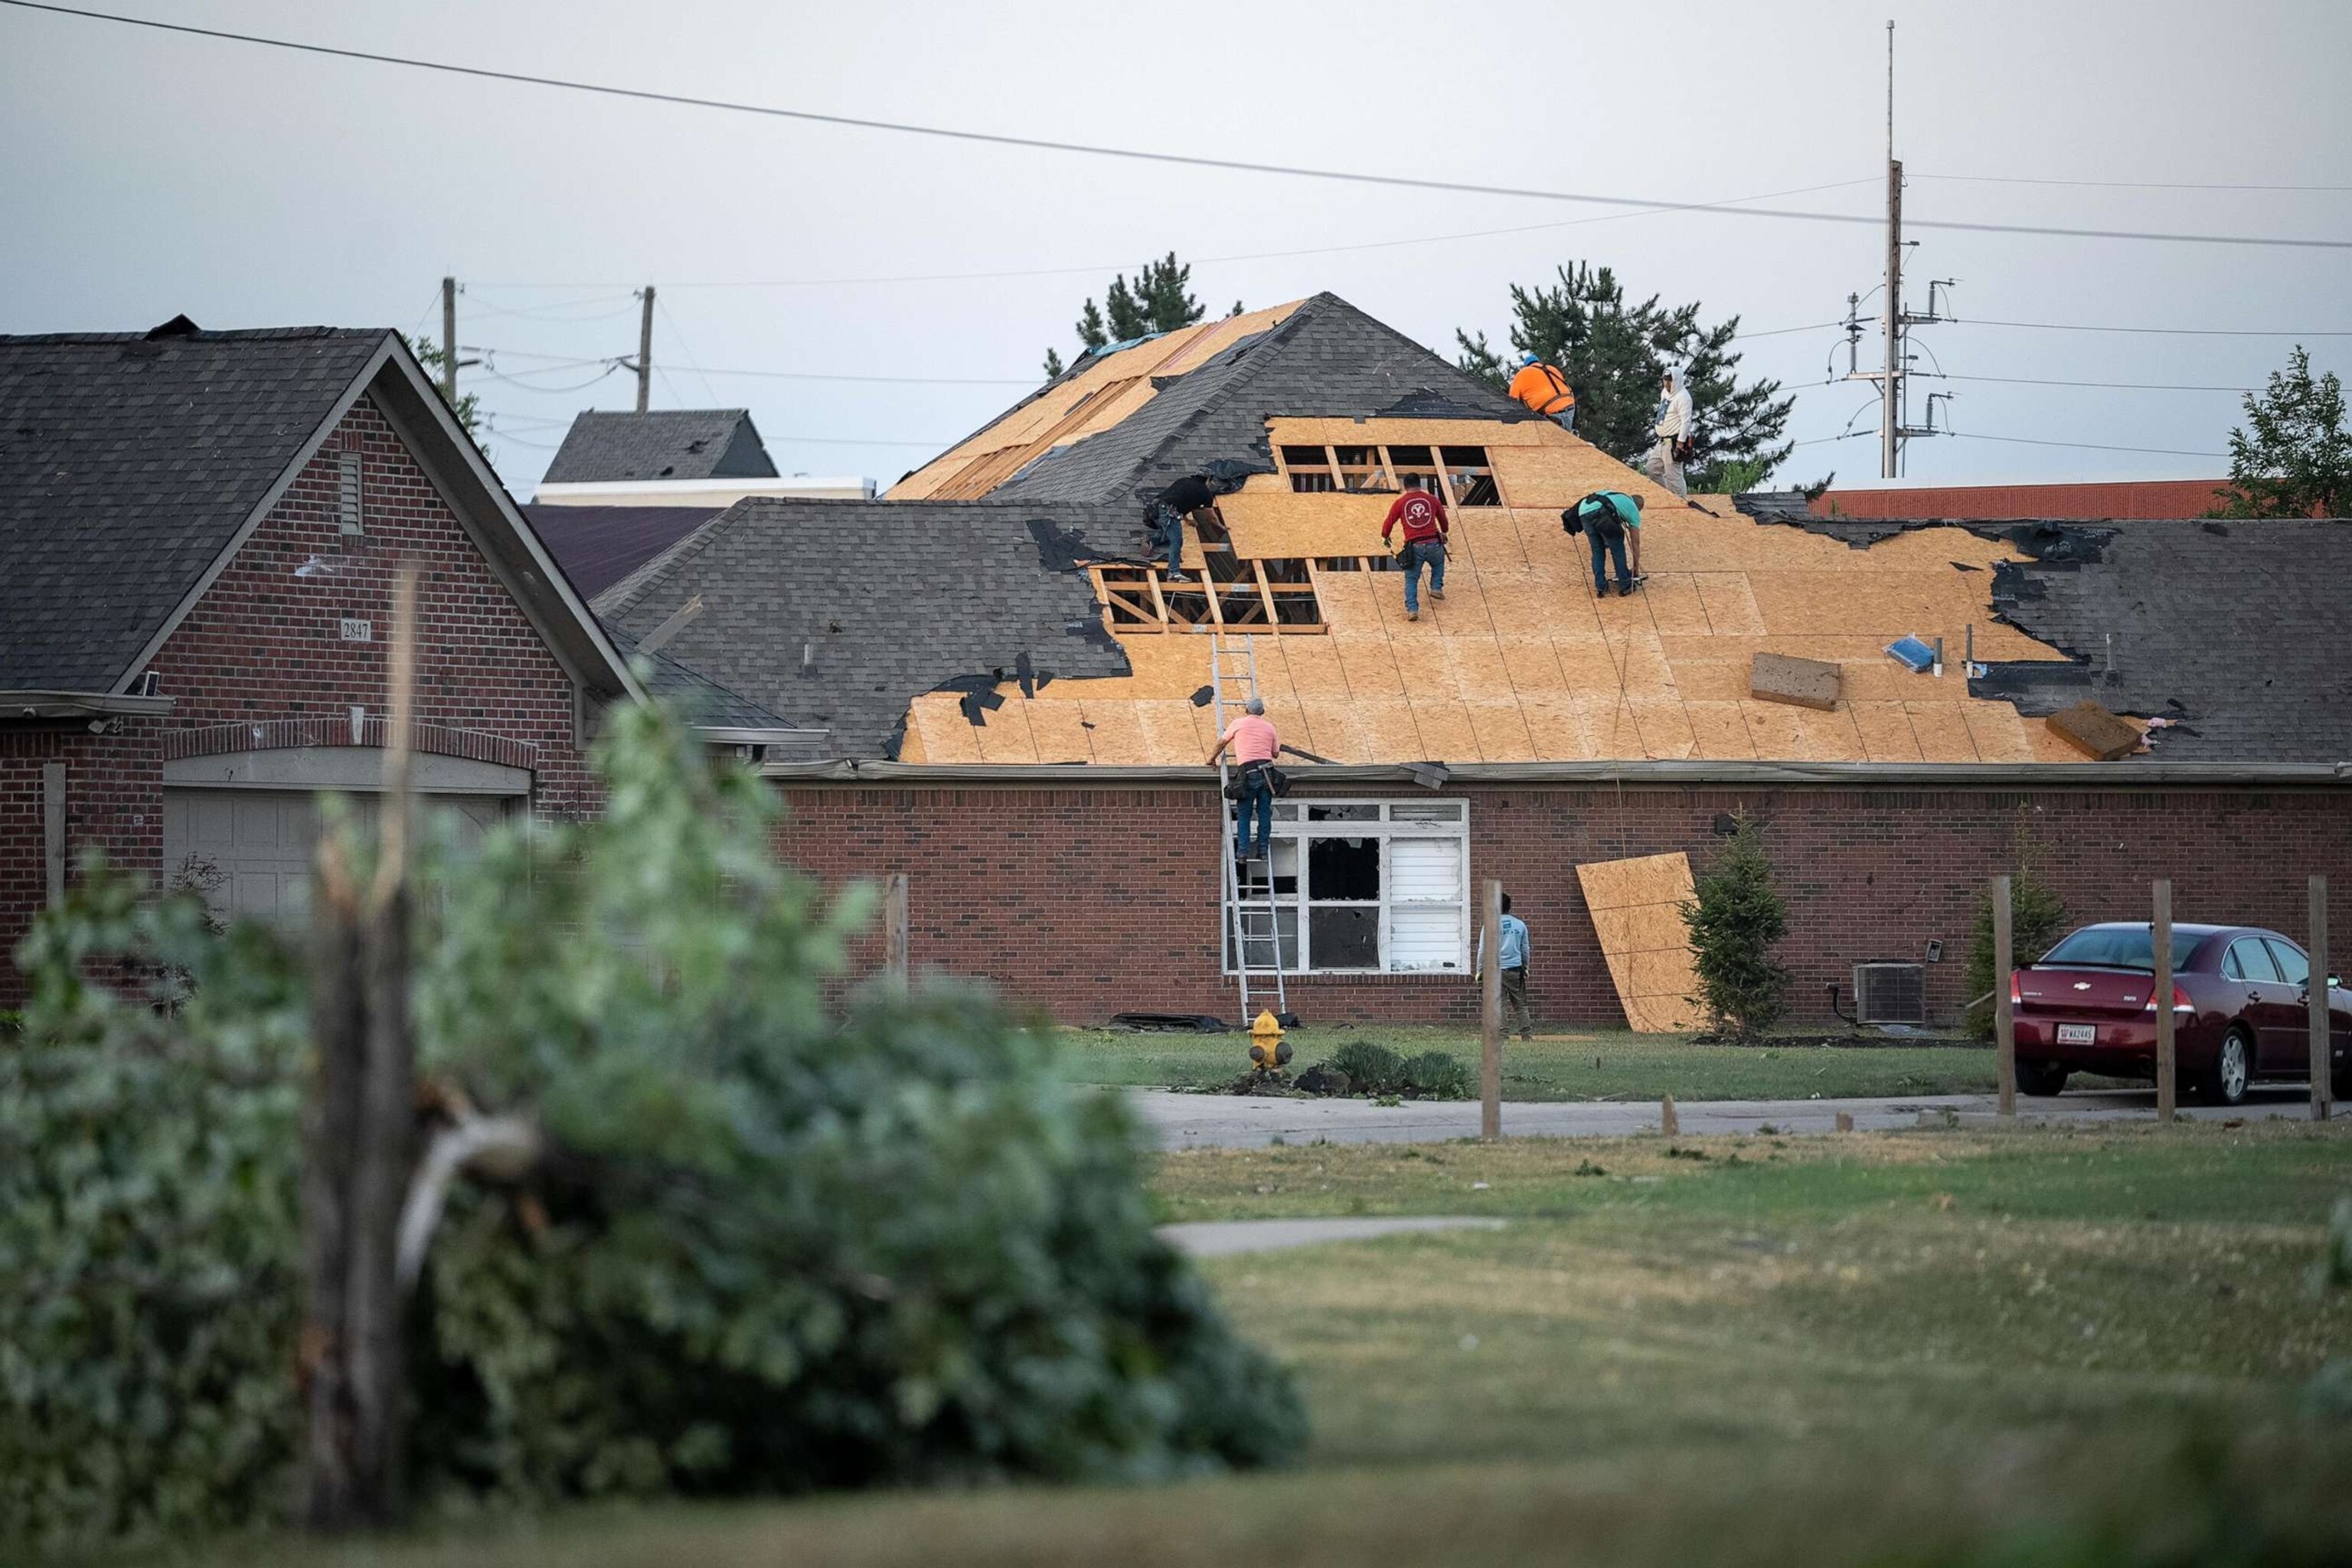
248, 851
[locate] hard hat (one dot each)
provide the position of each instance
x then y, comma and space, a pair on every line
1527, 359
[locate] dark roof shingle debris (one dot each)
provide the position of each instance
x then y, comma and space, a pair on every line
606, 445
838, 612
128, 462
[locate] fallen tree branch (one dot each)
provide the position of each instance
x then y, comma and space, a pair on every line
503, 1148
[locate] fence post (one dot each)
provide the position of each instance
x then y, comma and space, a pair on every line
1490, 1011
2168, 1089
894, 920
2004, 1016
2323, 1088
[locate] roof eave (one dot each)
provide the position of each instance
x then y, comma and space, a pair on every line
47, 704
2105, 775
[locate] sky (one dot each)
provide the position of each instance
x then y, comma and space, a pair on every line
152, 175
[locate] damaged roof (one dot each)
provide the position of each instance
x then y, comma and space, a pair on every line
1119, 426
605, 445
128, 463
835, 612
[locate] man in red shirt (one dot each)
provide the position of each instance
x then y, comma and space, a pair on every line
1421, 516
1254, 745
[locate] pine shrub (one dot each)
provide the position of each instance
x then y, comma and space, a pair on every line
1735, 920
2037, 919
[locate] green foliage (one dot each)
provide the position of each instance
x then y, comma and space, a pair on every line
1158, 300
1437, 1075
2293, 458
149, 1267
1371, 1067
769, 1251
1615, 356
2037, 919
1734, 923
782, 1252
469, 410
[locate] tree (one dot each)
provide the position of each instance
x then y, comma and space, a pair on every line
1158, 300
1734, 923
2037, 919
2296, 459
1615, 355
469, 407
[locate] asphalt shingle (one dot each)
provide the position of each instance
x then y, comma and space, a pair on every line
835, 612
605, 445
127, 464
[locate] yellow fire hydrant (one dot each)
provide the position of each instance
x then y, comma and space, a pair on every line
1267, 1053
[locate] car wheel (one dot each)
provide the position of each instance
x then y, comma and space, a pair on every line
2040, 1079
2234, 1064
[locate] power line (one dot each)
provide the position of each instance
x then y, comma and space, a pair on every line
2080, 446
555, 362
1136, 154
2080, 327
2117, 184
1101, 267
2116, 385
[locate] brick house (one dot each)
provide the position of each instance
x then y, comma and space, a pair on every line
198, 537
1018, 699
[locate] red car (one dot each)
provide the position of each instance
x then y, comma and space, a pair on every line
2241, 1010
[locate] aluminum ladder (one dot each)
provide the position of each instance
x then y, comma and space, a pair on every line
1249, 925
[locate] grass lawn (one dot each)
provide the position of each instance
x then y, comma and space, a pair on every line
1561, 1067
1919, 1348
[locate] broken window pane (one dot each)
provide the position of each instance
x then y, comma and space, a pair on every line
1321, 813
1345, 937
1255, 943
1343, 868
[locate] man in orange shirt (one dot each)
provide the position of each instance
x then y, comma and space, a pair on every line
1255, 744
1421, 516
1542, 388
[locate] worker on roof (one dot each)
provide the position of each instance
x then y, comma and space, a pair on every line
1165, 517
1605, 516
1422, 518
1673, 432
1543, 388
1255, 744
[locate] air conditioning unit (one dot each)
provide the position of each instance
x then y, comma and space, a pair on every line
1890, 994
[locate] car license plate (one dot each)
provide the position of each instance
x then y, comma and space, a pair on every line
2077, 1034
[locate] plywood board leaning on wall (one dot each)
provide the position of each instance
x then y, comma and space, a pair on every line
1636, 909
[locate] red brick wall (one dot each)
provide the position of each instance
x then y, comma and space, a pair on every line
2088, 502
1089, 902
263, 644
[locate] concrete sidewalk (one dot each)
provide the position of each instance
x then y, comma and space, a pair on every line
1225, 1121
1222, 1237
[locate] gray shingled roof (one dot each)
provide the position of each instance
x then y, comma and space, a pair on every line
837, 613
605, 445
598, 545
1325, 360
703, 699
2232, 627
127, 464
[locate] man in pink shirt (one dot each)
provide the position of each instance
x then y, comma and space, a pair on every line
1254, 744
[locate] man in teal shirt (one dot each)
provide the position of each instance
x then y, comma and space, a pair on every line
1607, 515
1516, 1013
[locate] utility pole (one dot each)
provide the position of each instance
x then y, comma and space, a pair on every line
449, 340
646, 350
1890, 412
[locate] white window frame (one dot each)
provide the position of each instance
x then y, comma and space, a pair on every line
1291, 826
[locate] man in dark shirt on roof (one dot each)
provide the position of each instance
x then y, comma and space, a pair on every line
1191, 494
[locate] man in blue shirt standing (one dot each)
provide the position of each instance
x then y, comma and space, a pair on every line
1516, 1013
